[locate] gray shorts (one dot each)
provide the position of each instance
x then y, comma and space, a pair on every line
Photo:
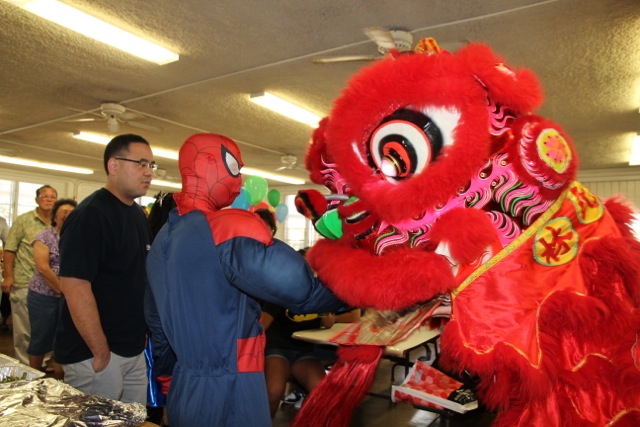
124, 379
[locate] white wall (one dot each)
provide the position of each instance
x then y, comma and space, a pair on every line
609, 182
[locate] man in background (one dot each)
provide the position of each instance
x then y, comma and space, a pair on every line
103, 247
19, 265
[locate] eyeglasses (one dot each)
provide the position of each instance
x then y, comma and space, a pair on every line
141, 163
48, 197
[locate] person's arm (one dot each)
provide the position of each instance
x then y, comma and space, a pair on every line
8, 260
4, 230
331, 319
266, 320
84, 313
328, 320
269, 312
14, 239
349, 316
276, 273
41, 258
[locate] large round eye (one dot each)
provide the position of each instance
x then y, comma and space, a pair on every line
405, 143
230, 162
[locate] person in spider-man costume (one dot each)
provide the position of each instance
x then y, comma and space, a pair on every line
206, 268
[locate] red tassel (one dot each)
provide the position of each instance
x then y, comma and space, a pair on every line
333, 401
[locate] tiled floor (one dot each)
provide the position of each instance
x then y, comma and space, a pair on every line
372, 412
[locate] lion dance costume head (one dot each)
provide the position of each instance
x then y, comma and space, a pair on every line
444, 185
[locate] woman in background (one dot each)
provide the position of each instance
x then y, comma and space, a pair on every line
44, 287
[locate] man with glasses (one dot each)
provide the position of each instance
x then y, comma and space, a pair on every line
19, 265
103, 247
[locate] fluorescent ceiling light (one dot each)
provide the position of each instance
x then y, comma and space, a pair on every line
96, 138
634, 160
169, 154
101, 139
285, 108
48, 166
101, 31
273, 176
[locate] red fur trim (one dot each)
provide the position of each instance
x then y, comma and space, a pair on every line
332, 402
571, 338
622, 213
311, 204
397, 280
611, 267
518, 89
315, 153
468, 233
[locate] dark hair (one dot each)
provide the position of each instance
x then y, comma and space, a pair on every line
160, 212
268, 218
119, 144
57, 205
43, 187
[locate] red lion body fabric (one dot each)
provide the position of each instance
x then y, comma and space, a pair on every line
448, 185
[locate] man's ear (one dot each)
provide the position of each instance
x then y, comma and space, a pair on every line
112, 166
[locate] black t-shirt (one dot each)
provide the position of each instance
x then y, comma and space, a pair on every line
105, 242
286, 323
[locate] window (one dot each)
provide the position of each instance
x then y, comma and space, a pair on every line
16, 198
6, 199
27, 197
298, 230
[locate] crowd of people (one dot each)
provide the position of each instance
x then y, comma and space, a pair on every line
186, 293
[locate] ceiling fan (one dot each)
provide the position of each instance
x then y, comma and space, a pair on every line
114, 114
289, 162
385, 40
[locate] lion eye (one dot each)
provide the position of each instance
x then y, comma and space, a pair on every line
406, 142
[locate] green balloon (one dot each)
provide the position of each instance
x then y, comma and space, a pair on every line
255, 188
273, 197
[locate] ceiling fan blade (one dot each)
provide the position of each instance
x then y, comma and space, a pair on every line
129, 116
144, 126
381, 36
346, 58
86, 119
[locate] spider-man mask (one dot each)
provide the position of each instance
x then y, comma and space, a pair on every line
210, 168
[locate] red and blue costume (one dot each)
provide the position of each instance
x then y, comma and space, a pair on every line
206, 268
